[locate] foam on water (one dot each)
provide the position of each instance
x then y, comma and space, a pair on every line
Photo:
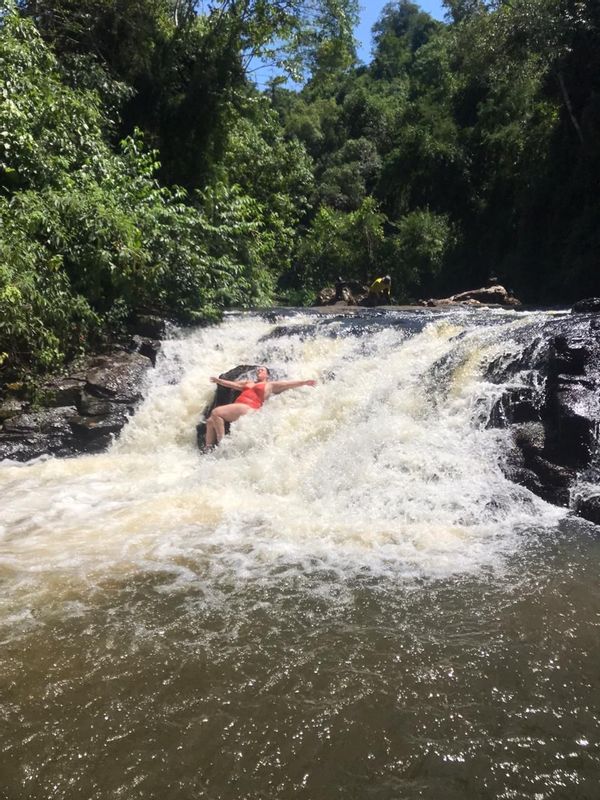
384, 467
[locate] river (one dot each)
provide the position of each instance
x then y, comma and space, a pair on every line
347, 599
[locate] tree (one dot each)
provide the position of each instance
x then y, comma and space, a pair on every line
400, 31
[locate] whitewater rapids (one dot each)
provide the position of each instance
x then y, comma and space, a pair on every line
385, 467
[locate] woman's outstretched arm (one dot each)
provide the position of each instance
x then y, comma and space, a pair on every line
281, 386
239, 385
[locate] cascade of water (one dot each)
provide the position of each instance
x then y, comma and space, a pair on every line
385, 466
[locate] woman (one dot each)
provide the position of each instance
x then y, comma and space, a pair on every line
253, 396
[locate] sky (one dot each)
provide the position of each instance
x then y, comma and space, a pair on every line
369, 13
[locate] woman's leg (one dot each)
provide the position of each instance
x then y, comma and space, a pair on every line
210, 436
219, 426
222, 414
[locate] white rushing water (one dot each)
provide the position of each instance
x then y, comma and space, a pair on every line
385, 467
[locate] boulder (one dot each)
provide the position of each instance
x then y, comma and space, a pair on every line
89, 405
94, 434
17, 447
150, 326
591, 304
146, 347
326, 296
346, 293
117, 377
494, 295
515, 407
588, 507
555, 416
85, 409
22, 423
31, 435
88, 408
63, 391
572, 407
345, 297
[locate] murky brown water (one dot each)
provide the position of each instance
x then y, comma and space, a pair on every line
313, 687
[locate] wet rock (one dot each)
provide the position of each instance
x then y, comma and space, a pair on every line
150, 326
101, 396
561, 406
301, 331
11, 407
31, 435
530, 467
63, 391
23, 423
91, 406
556, 479
23, 448
48, 421
326, 296
84, 410
591, 304
588, 507
572, 409
117, 377
515, 407
530, 438
94, 434
525, 477
146, 347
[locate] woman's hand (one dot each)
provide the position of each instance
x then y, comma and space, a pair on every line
310, 382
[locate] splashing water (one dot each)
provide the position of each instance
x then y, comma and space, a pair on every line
384, 466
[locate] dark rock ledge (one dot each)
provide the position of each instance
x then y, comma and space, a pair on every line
85, 409
552, 408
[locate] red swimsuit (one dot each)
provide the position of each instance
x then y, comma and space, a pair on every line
253, 396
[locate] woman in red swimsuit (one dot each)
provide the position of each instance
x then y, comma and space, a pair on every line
253, 396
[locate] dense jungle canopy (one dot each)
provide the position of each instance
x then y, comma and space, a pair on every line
141, 167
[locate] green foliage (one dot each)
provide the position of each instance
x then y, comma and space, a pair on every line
187, 62
274, 172
418, 250
39, 144
87, 234
353, 173
342, 244
41, 319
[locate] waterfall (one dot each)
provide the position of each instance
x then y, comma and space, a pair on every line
386, 467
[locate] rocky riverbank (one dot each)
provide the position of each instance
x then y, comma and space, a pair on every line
84, 409
552, 409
